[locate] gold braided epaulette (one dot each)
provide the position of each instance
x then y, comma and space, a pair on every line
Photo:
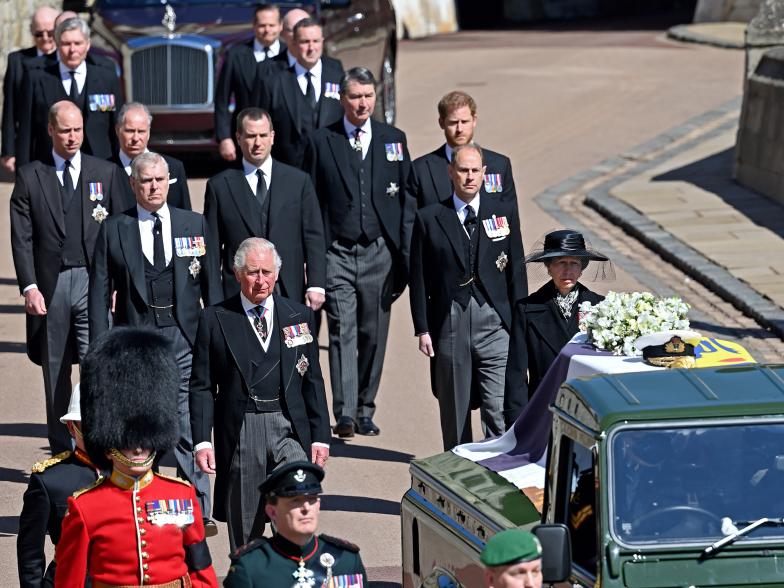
173, 478
98, 482
40, 466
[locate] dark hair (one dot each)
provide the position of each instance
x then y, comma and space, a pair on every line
305, 23
267, 8
253, 114
360, 75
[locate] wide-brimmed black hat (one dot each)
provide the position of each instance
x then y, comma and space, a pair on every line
129, 386
564, 243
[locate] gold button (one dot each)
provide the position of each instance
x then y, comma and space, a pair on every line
138, 509
140, 519
144, 543
145, 567
145, 555
142, 531
136, 498
146, 578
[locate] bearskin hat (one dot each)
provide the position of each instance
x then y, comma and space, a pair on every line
129, 385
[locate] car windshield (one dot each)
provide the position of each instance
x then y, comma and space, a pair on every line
684, 484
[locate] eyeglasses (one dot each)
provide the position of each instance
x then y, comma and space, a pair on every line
41, 34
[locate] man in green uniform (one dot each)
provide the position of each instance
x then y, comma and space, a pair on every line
295, 556
512, 559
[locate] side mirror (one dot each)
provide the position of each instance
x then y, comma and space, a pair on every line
556, 552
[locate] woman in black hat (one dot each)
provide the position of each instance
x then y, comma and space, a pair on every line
546, 320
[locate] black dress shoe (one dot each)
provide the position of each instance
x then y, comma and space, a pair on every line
345, 427
366, 426
210, 528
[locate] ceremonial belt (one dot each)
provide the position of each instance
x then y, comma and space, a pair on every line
184, 582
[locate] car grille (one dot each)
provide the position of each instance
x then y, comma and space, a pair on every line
171, 75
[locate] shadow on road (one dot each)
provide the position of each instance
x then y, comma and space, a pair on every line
23, 430
359, 504
9, 526
339, 448
731, 332
12, 309
8, 282
714, 174
12, 347
17, 476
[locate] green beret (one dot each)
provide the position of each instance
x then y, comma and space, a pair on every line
509, 547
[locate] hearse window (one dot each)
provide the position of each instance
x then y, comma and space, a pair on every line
576, 471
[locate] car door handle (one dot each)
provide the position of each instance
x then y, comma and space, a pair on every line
355, 18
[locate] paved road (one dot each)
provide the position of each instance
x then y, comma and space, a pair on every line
558, 103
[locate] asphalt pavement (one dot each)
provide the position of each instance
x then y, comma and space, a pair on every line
627, 121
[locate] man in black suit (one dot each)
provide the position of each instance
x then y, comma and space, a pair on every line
162, 264
430, 180
466, 274
42, 29
245, 65
303, 97
256, 379
133, 133
94, 89
52, 482
280, 206
360, 169
56, 211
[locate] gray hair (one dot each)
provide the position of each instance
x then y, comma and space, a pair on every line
360, 75
72, 24
127, 107
145, 160
467, 147
258, 245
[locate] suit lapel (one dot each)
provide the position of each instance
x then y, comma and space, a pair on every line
338, 143
180, 227
50, 188
131, 245
286, 316
277, 204
293, 95
450, 224
235, 326
438, 173
248, 67
247, 206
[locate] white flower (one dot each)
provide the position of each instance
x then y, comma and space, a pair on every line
616, 322
100, 213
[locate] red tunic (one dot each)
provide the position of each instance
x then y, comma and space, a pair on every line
110, 532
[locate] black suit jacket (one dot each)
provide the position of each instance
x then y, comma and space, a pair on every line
326, 159
438, 263
45, 503
539, 332
118, 265
38, 228
282, 97
43, 87
294, 225
12, 90
221, 378
430, 181
179, 195
239, 77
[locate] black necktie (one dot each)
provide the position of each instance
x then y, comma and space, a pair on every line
470, 221
266, 53
310, 90
74, 93
260, 322
261, 187
68, 184
158, 256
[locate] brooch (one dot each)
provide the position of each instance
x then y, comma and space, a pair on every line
501, 262
392, 189
195, 267
100, 213
302, 365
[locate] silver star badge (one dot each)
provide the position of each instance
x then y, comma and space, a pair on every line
501, 262
302, 365
194, 268
392, 189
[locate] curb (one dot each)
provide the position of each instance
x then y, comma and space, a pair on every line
685, 34
665, 244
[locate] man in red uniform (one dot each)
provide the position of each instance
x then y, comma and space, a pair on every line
136, 527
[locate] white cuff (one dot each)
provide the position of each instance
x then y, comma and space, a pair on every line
317, 290
30, 287
202, 445
317, 444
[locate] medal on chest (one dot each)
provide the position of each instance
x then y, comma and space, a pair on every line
303, 576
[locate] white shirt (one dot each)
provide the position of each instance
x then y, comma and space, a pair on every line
80, 74
364, 137
448, 152
250, 173
258, 50
303, 81
250, 311
146, 224
461, 208
126, 161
